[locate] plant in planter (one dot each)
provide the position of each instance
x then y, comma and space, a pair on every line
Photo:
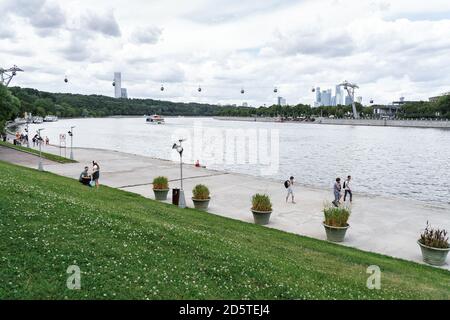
336, 222
261, 209
201, 197
435, 246
161, 188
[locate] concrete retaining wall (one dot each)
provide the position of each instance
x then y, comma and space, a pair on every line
387, 123
251, 119
353, 122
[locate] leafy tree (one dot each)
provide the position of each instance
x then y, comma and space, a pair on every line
9, 106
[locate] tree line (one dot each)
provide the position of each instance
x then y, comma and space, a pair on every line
15, 101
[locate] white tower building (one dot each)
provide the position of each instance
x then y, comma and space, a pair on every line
124, 93
118, 85
339, 96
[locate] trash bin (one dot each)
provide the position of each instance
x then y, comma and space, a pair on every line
175, 196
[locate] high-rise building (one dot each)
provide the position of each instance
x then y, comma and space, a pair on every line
325, 97
118, 85
318, 98
124, 93
281, 101
339, 96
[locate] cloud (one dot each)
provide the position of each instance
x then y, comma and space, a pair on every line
105, 24
50, 16
318, 43
46, 17
219, 12
390, 48
77, 49
149, 35
6, 29
23, 8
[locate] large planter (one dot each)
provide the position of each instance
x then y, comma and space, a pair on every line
335, 234
201, 204
433, 256
161, 194
261, 217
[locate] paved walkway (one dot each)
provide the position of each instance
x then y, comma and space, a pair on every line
385, 225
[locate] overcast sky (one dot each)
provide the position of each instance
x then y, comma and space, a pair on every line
390, 48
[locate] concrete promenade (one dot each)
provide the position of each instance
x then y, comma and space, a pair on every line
384, 225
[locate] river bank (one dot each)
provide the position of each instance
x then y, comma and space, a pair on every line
436, 124
384, 225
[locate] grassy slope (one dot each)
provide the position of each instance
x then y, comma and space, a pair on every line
45, 155
134, 248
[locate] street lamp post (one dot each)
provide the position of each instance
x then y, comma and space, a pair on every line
71, 142
40, 166
179, 148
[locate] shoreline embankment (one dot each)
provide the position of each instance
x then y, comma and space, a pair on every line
407, 123
399, 222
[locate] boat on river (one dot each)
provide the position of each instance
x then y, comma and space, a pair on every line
155, 119
50, 119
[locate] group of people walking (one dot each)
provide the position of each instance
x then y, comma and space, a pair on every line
91, 179
341, 191
22, 138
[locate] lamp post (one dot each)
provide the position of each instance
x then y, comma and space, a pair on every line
40, 166
179, 148
71, 142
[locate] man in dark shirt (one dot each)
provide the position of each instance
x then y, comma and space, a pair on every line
85, 178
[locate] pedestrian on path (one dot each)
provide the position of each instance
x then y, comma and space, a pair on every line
289, 184
348, 189
337, 189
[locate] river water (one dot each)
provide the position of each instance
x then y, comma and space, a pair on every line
402, 162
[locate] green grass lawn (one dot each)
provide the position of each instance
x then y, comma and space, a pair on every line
45, 155
129, 247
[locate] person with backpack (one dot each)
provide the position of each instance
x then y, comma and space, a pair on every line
337, 188
95, 174
289, 185
348, 190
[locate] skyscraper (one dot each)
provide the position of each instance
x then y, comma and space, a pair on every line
339, 96
317, 103
118, 85
281, 101
124, 93
325, 98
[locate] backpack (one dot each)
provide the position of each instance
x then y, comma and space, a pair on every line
345, 184
287, 183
